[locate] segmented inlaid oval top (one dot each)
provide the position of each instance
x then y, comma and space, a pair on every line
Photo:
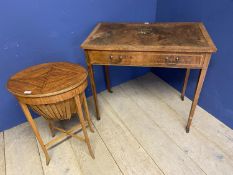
47, 79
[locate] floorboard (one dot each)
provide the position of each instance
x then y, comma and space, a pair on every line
2, 154
128, 153
141, 131
168, 156
208, 125
103, 163
21, 151
63, 160
208, 156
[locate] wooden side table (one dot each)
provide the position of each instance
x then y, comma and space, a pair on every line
54, 91
170, 45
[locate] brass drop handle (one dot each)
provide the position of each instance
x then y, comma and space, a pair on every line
119, 57
115, 59
171, 60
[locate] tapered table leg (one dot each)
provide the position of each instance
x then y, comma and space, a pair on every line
80, 115
196, 97
93, 88
198, 90
185, 84
87, 112
35, 130
107, 78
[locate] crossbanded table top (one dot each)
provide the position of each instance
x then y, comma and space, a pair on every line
47, 79
185, 37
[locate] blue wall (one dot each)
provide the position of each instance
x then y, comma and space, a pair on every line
37, 31
217, 93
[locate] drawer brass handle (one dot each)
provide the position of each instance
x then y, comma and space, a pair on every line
119, 56
115, 59
172, 60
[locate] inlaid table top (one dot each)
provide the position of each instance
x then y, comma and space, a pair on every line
150, 37
54, 91
169, 45
47, 79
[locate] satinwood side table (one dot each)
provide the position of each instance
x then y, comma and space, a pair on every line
170, 45
55, 91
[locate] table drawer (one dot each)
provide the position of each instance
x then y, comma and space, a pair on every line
146, 59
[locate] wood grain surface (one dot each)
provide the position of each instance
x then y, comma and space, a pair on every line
194, 145
21, 151
47, 79
54, 91
150, 37
157, 144
170, 45
147, 139
2, 154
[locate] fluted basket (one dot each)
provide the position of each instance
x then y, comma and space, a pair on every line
56, 111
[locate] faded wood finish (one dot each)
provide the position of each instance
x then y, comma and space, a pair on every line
35, 130
175, 37
81, 118
93, 88
63, 160
117, 138
156, 143
103, 164
216, 132
47, 79
22, 156
2, 154
171, 45
54, 91
107, 78
185, 84
87, 116
54, 98
198, 91
130, 155
195, 145
146, 59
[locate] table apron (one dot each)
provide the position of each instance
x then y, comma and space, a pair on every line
147, 59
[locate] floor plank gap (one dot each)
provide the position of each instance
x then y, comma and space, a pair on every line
108, 149
226, 134
136, 139
141, 132
145, 111
40, 157
4, 154
157, 144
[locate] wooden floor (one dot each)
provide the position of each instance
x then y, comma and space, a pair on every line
141, 133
